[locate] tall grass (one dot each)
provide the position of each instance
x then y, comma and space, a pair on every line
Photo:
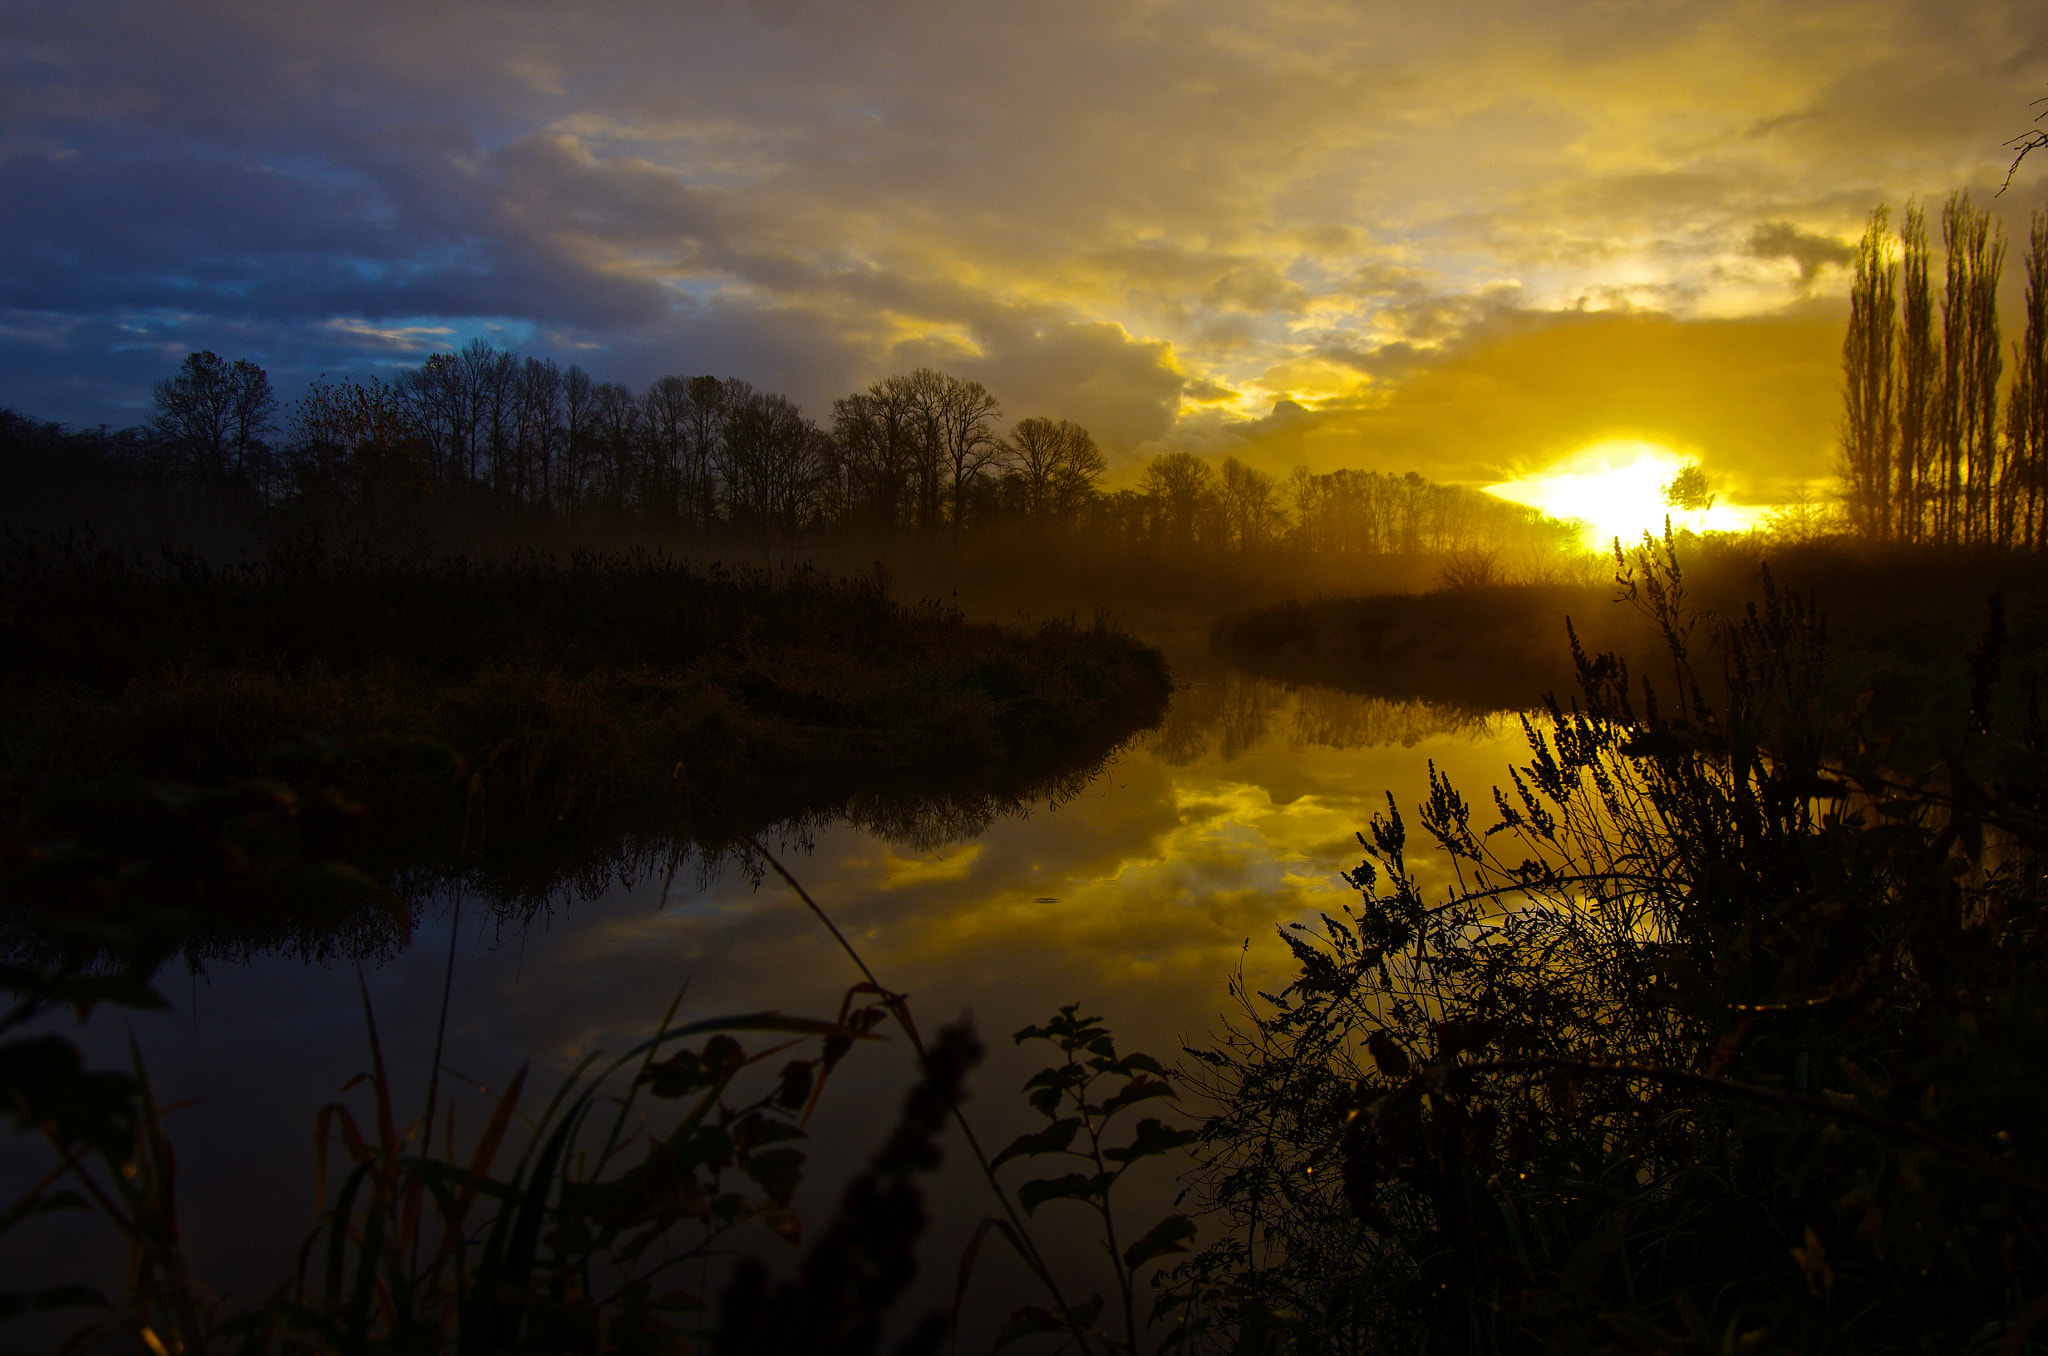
1724, 1038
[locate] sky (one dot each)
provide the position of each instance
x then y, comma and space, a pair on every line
1464, 239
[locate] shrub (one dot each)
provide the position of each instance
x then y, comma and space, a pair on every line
1724, 1039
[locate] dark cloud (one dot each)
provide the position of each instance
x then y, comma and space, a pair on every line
1148, 216
1783, 240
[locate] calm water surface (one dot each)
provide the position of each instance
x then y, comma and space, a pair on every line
1136, 896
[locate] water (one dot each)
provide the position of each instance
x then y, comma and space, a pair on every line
1137, 896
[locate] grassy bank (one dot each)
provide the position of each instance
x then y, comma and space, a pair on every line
1898, 625
543, 698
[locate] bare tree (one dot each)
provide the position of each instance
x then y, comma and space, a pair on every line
215, 417
1057, 466
1182, 490
1869, 414
2025, 485
878, 434
1918, 384
579, 423
1250, 499
616, 413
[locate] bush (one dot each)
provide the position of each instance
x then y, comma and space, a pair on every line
1723, 1040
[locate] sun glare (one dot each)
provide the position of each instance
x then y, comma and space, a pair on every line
1616, 489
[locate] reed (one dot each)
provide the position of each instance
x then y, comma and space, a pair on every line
1722, 1039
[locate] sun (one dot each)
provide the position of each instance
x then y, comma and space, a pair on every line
1616, 489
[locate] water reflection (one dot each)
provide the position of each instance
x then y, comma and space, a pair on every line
1135, 885
1236, 712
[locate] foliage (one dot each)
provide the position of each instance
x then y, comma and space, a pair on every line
1078, 1101
1723, 1039
1688, 490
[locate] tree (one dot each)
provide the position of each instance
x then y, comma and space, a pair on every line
361, 468
876, 437
579, 421
1869, 416
215, 417
1182, 491
1919, 359
957, 445
618, 420
1057, 465
1971, 361
1687, 491
2026, 476
1252, 516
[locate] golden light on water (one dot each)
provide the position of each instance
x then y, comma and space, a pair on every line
1616, 489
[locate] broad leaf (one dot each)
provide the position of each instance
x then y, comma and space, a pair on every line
1051, 1140
1165, 1237
1152, 1138
1034, 1194
1137, 1090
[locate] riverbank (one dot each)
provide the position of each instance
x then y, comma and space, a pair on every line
466, 704
1899, 625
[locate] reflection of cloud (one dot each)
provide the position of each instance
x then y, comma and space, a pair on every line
898, 872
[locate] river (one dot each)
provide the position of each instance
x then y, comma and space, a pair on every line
1136, 894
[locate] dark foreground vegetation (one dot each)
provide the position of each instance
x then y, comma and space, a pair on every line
1728, 1037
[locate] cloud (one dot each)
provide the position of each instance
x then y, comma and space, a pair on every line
1155, 216
1812, 253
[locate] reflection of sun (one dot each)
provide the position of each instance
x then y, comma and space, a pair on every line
1616, 488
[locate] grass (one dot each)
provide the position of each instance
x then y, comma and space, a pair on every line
1724, 1036
540, 701
1898, 622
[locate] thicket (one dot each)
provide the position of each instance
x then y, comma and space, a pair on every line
1726, 1037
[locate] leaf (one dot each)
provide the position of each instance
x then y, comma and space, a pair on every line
1032, 1321
1051, 1140
1137, 1090
1034, 1194
1164, 1237
43, 1204
1152, 1138
778, 1171
1049, 1086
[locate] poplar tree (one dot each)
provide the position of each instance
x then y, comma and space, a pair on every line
1971, 362
2026, 472
1869, 419
1919, 359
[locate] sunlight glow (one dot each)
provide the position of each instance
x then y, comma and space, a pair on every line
1616, 489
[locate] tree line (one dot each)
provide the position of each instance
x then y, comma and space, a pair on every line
916, 456
1930, 452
